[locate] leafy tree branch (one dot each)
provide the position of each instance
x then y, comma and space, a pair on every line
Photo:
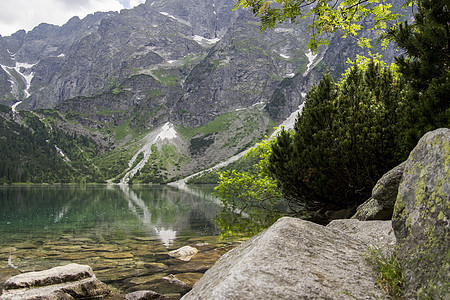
327, 16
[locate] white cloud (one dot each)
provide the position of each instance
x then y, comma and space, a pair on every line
134, 3
26, 14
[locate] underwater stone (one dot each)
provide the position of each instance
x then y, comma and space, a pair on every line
144, 295
175, 281
184, 253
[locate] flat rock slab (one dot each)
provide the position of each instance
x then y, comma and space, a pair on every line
293, 259
71, 272
72, 281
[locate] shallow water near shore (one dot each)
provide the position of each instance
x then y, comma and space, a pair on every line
123, 232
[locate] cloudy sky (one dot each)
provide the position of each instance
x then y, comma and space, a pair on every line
26, 14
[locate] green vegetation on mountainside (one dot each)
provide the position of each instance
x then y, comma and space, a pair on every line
67, 157
29, 152
234, 127
163, 162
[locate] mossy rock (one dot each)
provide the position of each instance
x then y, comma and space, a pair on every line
421, 218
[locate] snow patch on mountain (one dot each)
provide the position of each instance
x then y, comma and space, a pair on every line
175, 18
204, 41
311, 56
290, 121
312, 61
165, 133
23, 69
61, 154
168, 132
25, 75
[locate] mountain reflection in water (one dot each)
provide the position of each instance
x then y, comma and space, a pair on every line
136, 204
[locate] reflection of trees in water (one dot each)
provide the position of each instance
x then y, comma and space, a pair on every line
202, 208
35, 206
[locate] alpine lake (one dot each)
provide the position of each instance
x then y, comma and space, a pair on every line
123, 232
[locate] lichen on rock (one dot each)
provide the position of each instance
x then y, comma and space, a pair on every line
421, 218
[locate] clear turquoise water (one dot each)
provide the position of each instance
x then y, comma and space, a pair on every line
122, 232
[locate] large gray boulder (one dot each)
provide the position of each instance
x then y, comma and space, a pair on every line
384, 194
72, 281
293, 259
421, 219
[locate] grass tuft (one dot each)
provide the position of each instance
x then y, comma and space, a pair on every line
389, 270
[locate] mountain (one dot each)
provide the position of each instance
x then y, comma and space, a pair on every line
162, 90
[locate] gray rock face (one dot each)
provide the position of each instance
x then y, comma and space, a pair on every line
175, 42
381, 205
66, 282
376, 234
293, 259
421, 219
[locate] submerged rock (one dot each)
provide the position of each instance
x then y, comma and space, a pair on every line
175, 281
421, 219
119, 255
144, 295
146, 279
184, 279
293, 259
64, 282
184, 253
381, 205
199, 263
